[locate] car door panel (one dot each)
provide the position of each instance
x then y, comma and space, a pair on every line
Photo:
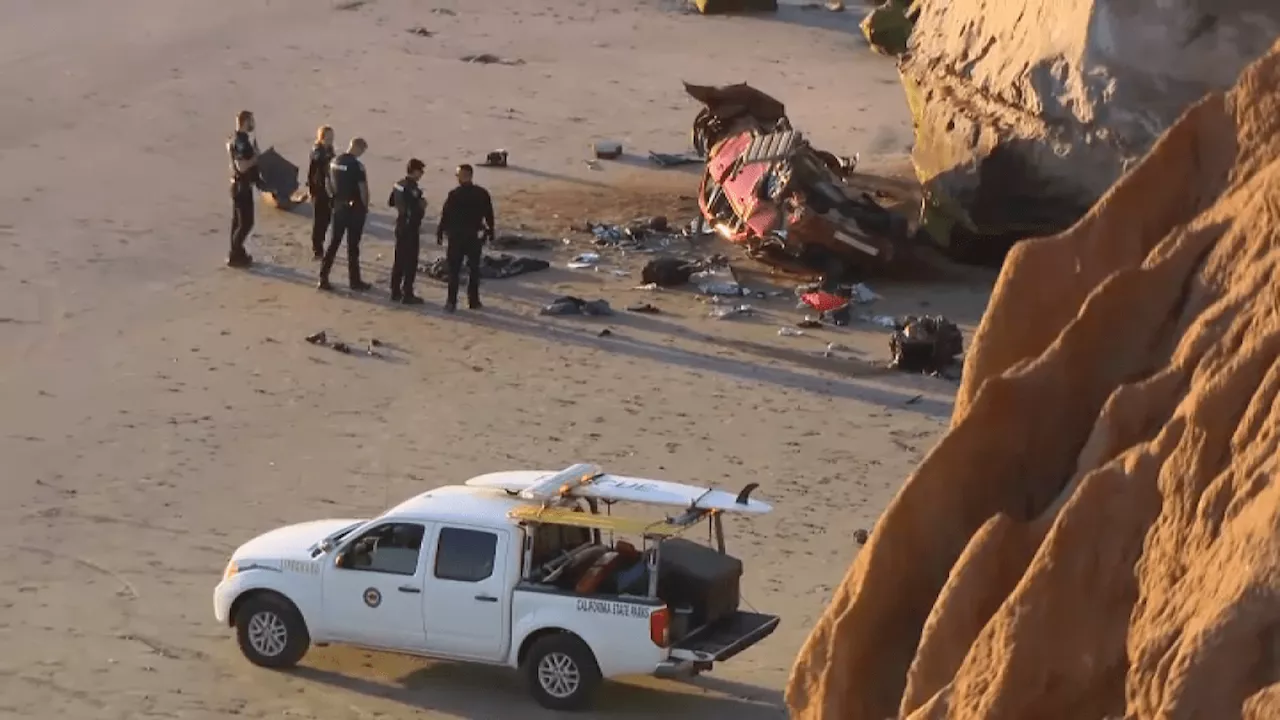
467, 608
378, 604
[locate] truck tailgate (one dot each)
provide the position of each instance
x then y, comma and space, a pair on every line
730, 635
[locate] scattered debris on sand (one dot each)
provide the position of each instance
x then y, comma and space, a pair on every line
492, 267
490, 59
1095, 536
569, 305
927, 345
607, 150
322, 339
495, 159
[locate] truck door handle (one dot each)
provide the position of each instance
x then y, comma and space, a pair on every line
486, 598
409, 589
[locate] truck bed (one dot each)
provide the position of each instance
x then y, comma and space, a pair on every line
730, 635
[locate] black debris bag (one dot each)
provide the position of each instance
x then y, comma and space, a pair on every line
492, 267
279, 179
570, 305
668, 271
495, 159
926, 344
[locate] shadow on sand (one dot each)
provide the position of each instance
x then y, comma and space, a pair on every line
488, 693
548, 175
814, 14
587, 334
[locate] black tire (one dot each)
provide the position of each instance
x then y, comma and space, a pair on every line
259, 623
577, 668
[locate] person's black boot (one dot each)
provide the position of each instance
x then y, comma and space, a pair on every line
411, 299
475, 304
360, 286
240, 260
396, 296
324, 284
450, 307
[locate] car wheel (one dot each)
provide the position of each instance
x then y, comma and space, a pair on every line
562, 673
271, 631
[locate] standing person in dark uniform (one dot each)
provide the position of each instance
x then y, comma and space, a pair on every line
349, 187
411, 205
318, 185
467, 218
244, 176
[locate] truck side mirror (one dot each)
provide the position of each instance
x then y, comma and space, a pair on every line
339, 559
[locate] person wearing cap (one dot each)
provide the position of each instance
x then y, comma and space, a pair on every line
318, 186
411, 206
243, 149
467, 218
349, 188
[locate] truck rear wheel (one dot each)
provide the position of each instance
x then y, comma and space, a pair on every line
271, 631
562, 672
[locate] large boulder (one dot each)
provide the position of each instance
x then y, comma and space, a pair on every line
888, 27
1027, 110
1098, 533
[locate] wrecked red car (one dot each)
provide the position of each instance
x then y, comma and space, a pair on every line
787, 203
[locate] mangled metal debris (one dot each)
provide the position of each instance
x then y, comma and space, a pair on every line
927, 344
789, 204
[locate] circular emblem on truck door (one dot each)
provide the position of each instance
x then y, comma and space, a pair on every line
372, 597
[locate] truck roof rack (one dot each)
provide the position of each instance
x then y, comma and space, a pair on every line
562, 484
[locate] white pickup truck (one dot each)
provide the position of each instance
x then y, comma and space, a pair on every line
515, 568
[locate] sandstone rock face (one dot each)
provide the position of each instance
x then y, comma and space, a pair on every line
1028, 110
1098, 533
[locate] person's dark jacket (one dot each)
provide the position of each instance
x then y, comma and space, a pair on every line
467, 211
317, 172
346, 173
241, 148
410, 204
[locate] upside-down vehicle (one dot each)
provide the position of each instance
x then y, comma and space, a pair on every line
787, 203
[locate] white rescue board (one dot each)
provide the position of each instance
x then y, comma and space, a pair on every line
618, 488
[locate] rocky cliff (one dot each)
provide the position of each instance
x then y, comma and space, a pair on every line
1028, 110
1098, 533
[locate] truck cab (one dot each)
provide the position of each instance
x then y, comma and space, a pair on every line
518, 569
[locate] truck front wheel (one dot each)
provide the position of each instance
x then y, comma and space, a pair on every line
271, 631
562, 672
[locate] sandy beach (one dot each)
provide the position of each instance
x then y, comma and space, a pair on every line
158, 409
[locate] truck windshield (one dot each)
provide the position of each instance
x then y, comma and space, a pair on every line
333, 539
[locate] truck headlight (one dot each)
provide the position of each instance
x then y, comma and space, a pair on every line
231, 570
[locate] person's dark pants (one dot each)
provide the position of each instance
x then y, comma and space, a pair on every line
322, 205
404, 266
464, 248
241, 217
347, 221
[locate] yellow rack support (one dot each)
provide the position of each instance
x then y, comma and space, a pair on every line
609, 523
